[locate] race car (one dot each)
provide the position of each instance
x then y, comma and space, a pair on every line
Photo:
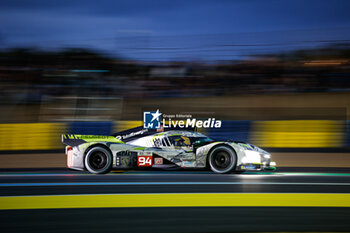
140, 148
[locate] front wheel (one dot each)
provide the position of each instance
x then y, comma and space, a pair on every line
222, 159
98, 160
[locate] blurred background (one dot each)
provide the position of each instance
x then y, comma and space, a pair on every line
276, 72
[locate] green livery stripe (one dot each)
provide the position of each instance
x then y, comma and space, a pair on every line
139, 148
93, 138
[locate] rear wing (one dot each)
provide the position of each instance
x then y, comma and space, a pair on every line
76, 139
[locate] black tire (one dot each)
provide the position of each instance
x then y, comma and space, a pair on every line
222, 159
98, 160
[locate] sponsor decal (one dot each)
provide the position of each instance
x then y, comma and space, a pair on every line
158, 160
121, 137
187, 164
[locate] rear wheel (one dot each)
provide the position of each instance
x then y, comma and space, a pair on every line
222, 159
98, 160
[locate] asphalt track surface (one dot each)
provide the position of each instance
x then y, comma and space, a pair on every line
61, 200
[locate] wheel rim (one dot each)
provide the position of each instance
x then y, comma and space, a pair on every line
98, 160
221, 160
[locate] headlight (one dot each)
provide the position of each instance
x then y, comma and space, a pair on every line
251, 157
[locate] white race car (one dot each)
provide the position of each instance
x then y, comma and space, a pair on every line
142, 148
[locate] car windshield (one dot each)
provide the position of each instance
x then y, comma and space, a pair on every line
179, 140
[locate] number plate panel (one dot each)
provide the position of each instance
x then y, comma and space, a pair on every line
144, 159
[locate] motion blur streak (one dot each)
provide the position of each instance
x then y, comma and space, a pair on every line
280, 134
176, 200
38, 136
124, 125
299, 133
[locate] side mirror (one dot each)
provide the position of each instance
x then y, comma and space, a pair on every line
196, 142
195, 145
